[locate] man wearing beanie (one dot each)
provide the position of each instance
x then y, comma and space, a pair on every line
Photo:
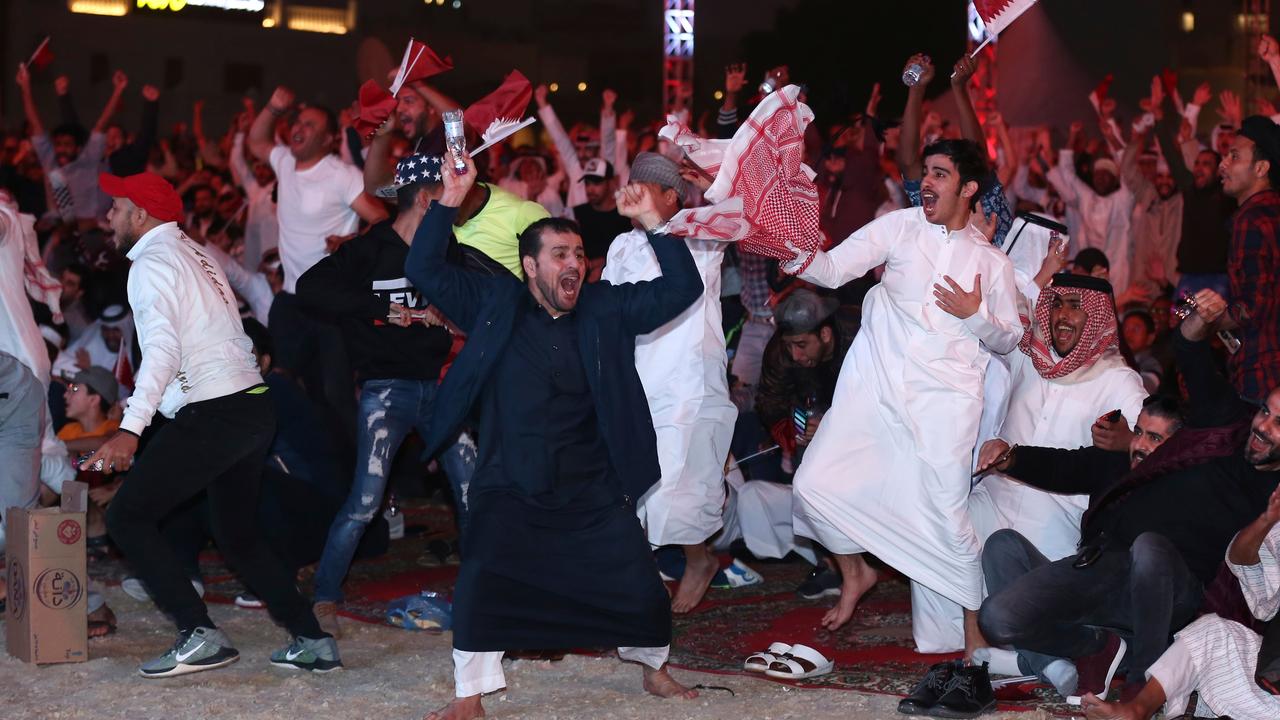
1250, 173
197, 369
682, 366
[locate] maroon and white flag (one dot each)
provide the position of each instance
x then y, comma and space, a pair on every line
999, 14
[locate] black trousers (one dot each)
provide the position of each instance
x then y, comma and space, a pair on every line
218, 446
1145, 593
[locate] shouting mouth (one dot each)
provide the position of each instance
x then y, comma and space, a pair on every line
1259, 444
929, 201
1063, 332
569, 285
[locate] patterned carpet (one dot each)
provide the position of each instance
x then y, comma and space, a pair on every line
873, 653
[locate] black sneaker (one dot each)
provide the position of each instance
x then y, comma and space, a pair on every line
925, 696
822, 582
968, 694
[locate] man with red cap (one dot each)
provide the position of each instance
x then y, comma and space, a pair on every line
198, 370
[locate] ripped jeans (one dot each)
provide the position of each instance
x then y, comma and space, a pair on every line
389, 409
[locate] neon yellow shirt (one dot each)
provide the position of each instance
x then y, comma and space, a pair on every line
494, 230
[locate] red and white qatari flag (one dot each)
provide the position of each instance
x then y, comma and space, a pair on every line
998, 14
419, 63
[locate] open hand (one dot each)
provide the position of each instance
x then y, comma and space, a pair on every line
1202, 95
986, 224
955, 301
540, 95
735, 77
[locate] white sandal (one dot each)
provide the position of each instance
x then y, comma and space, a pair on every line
800, 663
760, 662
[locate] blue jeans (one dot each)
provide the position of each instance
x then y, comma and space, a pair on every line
389, 409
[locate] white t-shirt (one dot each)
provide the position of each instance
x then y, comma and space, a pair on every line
312, 204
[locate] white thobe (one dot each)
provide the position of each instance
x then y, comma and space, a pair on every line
1104, 220
21, 338
1217, 658
888, 470
99, 354
1056, 414
682, 366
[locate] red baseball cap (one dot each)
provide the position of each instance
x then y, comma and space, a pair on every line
148, 191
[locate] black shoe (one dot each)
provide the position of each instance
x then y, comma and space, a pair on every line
968, 694
925, 696
822, 582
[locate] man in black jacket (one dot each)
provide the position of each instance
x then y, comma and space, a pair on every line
398, 346
556, 557
1152, 537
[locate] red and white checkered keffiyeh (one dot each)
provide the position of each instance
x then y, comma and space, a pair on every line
763, 195
1098, 339
40, 284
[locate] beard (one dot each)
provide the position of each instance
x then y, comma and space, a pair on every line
1260, 451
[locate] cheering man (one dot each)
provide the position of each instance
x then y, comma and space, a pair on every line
198, 369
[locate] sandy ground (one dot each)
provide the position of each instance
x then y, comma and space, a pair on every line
389, 674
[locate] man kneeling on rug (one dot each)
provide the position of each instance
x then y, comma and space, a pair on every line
556, 557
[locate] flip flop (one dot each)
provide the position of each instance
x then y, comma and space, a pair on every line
800, 663
760, 662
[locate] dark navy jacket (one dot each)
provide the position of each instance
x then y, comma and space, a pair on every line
609, 319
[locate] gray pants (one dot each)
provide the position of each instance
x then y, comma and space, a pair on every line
22, 416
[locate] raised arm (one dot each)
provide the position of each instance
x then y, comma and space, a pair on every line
208, 151
1063, 176
458, 293
28, 104
1130, 173
66, 107
559, 138
909, 134
970, 128
608, 127
1254, 558
119, 81
735, 77
262, 132
648, 305
866, 248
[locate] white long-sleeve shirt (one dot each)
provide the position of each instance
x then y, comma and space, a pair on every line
1104, 220
188, 323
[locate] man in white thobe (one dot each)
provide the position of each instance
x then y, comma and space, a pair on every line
682, 366
106, 343
1055, 402
1214, 657
888, 470
1105, 207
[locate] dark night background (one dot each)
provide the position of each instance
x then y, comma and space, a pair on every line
1048, 60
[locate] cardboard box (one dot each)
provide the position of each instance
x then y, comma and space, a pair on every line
45, 617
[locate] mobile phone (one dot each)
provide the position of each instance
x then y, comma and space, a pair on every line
1112, 416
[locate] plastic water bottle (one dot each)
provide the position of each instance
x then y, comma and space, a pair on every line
768, 86
455, 139
911, 76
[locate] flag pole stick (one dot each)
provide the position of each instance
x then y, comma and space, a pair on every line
979, 48
39, 47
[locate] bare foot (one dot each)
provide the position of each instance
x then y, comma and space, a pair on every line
460, 709
1096, 709
699, 569
858, 579
659, 682
102, 622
